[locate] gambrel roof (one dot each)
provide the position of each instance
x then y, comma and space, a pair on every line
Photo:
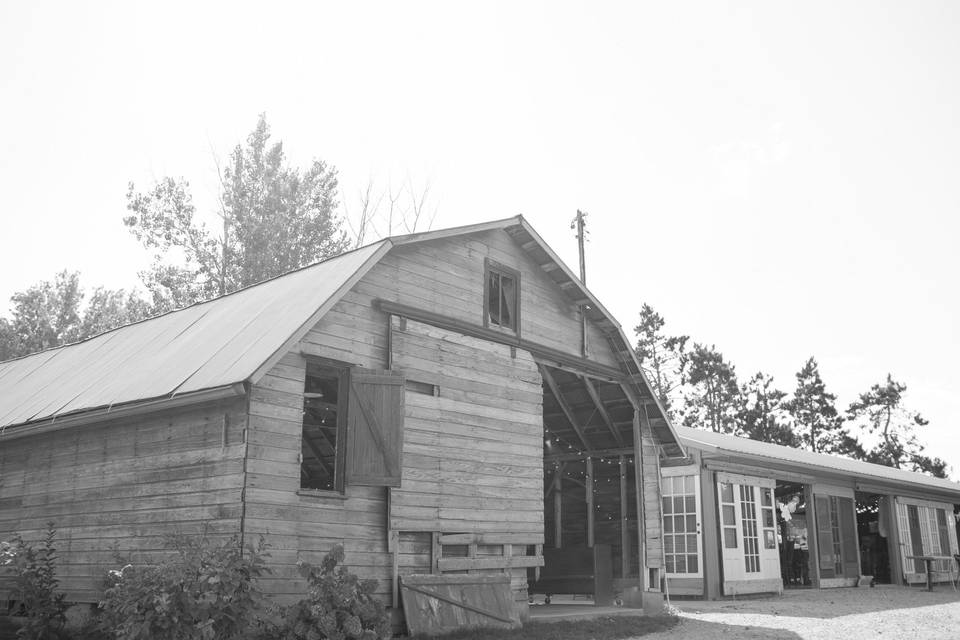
237, 337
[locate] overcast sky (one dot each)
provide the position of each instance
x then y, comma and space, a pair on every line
777, 179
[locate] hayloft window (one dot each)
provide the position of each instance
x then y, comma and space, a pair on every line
352, 427
324, 392
501, 296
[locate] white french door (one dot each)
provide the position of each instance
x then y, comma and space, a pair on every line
748, 533
683, 549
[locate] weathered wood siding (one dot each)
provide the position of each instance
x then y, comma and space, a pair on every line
473, 453
446, 277
124, 486
653, 516
472, 456
304, 525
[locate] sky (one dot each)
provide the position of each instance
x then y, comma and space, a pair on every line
776, 179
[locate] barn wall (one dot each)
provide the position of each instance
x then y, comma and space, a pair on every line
446, 277
484, 429
304, 525
123, 486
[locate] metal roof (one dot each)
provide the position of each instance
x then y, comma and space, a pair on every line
735, 445
206, 345
238, 337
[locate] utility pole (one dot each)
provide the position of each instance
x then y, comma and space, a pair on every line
579, 223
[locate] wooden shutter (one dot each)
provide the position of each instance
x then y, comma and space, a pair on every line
848, 537
374, 428
824, 537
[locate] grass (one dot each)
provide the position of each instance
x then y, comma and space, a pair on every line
607, 628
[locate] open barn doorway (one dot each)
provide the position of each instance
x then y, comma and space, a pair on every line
591, 548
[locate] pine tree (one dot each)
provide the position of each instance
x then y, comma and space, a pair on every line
817, 424
661, 356
881, 413
711, 395
763, 414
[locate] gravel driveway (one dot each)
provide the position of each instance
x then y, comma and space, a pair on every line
809, 614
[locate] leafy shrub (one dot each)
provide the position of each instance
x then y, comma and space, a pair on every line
204, 591
35, 585
339, 606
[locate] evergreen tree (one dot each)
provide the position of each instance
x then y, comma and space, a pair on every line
711, 396
274, 219
817, 424
763, 414
661, 356
880, 412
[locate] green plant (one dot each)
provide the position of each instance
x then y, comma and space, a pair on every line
35, 585
339, 605
204, 591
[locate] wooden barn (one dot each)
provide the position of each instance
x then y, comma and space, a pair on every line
451, 402
742, 516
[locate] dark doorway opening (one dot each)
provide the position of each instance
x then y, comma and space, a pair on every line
872, 534
793, 526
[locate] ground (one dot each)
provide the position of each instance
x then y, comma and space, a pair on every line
808, 614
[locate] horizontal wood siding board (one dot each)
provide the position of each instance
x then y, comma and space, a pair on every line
125, 485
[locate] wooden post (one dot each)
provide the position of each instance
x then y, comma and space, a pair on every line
589, 489
435, 552
638, 482
624, 528
394, 544
558, 508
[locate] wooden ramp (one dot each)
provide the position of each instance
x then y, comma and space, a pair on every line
437, 604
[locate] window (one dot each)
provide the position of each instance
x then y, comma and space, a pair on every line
729, 518
321, 463
501, 296
368, 405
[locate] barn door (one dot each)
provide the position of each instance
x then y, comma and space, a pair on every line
439, 604
375, 428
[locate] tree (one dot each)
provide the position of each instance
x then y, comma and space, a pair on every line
763, 414
384, 211
712, 397
818, 425
661, 356
275, 218
52, 313
880, 412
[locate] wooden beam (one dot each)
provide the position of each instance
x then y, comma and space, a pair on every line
624, 523
571, 418
596, 453
589, 491
500, 337
638, 486
601, 409
558, 511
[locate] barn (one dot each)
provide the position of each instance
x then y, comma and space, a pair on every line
453, 402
